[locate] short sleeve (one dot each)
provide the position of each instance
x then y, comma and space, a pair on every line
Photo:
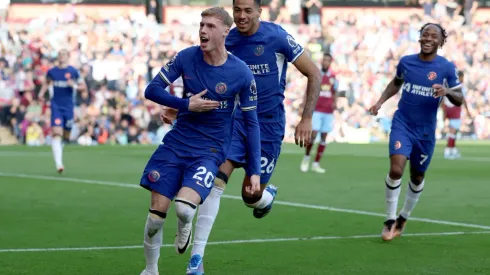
399, 69
289, 47
452, 76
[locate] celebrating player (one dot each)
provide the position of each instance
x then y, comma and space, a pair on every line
425, 78
453, 114
323, 116
266, 48
186, 164
62, 81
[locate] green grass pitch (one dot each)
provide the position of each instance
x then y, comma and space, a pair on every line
90, 220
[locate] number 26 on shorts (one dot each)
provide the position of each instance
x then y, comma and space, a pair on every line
267, 167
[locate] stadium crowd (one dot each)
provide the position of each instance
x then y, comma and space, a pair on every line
117, 56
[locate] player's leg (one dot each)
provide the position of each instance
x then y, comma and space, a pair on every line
454, 126
196, 187
305, 163
271, 135
262, 201
162, 176
57, 123
208, 210
67, 125
327, 127
400, 149
153, 238
317, 122
319, 153
419, 162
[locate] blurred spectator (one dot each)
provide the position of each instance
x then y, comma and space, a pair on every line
314, 12
118, 55
34, 134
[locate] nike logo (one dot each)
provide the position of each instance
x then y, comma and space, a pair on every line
152, 232
183, 249
187, 77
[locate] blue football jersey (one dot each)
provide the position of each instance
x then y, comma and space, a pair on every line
417, 106
267, 53
208, 133
63, 95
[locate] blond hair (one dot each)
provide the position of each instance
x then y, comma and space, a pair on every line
220, 13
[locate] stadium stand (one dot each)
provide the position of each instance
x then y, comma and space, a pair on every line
118, 52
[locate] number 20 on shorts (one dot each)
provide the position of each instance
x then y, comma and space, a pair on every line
208, 178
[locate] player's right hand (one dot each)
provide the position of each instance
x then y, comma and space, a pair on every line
198, 104
168, 115
374, 109
254, 184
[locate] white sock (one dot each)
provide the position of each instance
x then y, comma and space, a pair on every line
454, 151
413, 194
306, 158
153, 241
391, 197
447, 151
206, 216
57, 151
265, 200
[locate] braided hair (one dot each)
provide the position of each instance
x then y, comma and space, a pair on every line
443, 32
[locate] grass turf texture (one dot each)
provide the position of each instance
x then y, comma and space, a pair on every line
81, 209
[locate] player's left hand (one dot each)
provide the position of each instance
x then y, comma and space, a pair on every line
439, 90
168, 115
254, 184
302, 135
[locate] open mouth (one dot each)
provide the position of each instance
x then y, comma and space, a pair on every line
204, 40
242, 23
427, 46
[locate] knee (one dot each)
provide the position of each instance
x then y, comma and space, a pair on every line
417, 179
157, 215
185, 210
396, 172
251, 200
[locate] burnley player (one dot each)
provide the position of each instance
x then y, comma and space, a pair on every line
453, 114
185, 165
323, 116
62, 81
425, 78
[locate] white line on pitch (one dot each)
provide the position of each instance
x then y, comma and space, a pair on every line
300, 205
274, 240
284, 152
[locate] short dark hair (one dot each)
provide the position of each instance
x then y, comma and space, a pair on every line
443, 31
460, 73
258, 3
327, 54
